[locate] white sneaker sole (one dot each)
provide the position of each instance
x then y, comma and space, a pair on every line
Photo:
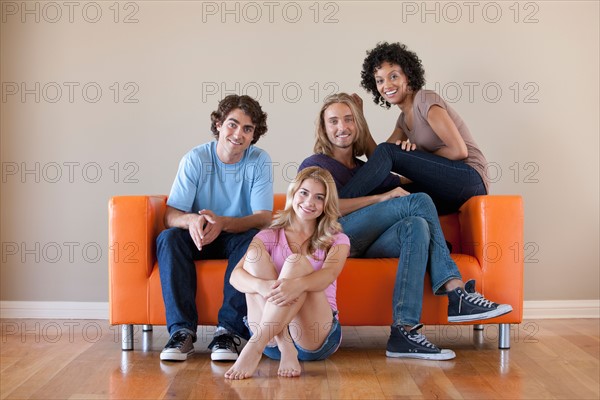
223, 356
174, 355
501, 310
445, 354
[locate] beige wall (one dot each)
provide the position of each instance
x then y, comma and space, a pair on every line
103, 98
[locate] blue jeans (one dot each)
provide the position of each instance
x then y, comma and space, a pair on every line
176, 254
449, 183
408, 228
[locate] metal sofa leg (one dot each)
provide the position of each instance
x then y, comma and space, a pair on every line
478, 327
504, 336
127, 337
147, 328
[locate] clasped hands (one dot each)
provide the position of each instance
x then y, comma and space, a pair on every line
205, 228
281, 292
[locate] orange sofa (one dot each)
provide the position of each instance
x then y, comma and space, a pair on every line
487, 242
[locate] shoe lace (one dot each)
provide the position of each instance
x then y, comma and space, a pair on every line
419, 338
226, 342
475, 298
177, 340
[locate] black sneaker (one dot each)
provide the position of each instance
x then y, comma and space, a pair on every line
403, 344
468, 305
179, 346
224, 347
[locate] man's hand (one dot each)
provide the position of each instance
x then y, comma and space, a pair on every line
396, 192
213, 227
196, 229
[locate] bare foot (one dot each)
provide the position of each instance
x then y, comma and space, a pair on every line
246, 363
289, 366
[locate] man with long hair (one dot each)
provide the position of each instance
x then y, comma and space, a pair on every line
389, 222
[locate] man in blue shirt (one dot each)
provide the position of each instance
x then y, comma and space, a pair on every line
222, 195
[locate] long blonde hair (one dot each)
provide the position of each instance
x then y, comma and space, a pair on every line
323, 145
327, 222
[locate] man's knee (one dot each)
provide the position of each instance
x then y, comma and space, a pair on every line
417, 201
241, 245
246, 237
417, 226
424, 201
170, 237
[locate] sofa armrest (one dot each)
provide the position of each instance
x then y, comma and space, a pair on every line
134, 224
492, 231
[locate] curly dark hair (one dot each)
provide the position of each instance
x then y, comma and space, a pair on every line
393, 53
245, 103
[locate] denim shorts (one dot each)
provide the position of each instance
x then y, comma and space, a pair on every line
329, 346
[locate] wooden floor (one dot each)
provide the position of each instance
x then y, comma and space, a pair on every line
81, 359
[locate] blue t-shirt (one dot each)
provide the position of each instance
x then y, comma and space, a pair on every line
203, 181
342, 174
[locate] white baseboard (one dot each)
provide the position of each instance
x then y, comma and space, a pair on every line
553, 309
546, 309
54, 309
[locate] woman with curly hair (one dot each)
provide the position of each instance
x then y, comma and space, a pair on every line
431, 147
289, 276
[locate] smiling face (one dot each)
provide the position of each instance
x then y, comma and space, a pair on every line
235, 136
392, 83
309, 200
340, 125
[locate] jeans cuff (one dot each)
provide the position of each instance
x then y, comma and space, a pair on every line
228, 329
188, 331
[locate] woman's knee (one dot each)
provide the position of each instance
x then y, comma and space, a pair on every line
258, 264
385, 149
296, 265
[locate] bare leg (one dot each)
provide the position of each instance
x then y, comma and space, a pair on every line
453, 284
273, 321
308, 329
289, 366
248, 360
311, 314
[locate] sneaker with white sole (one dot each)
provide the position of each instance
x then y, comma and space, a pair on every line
467, 305
224, 347
411, 344
179, 346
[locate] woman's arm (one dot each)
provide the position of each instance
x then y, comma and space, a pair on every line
400, 138
370, 142
286, 291
446, 129
397, 135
